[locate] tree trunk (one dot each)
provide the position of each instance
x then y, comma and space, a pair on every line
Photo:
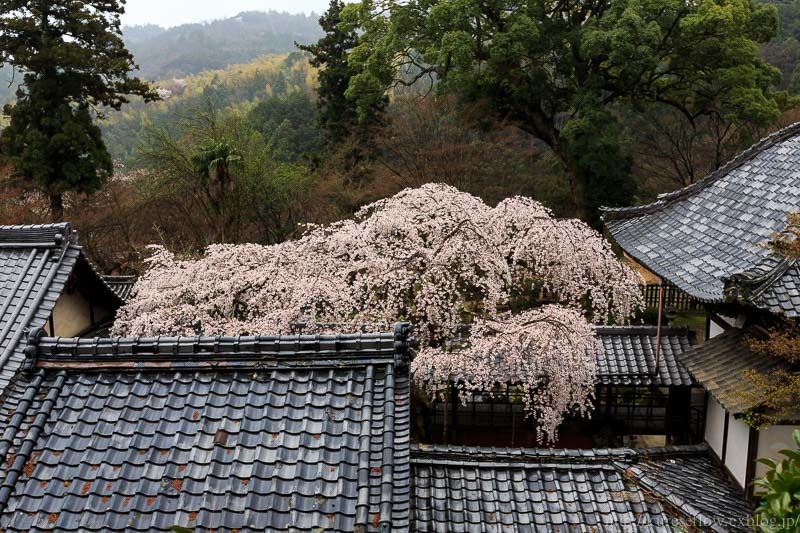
577, 187
578, 194
57, 207
540, 126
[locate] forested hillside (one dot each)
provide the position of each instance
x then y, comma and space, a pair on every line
164, 54
784, 50
250, 124
275, 81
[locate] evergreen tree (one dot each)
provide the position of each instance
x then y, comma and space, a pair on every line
75, 64
561, 70
338, 114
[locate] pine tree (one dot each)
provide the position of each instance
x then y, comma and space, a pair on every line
338, 115
75, 65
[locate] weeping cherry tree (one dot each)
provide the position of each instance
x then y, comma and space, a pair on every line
434, 256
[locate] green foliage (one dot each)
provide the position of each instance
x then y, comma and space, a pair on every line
54, 144
214, 171
338, 113
289, 126
74, 62
240, 86
789, 16
780, 495
545, 65
594, 142
794, 81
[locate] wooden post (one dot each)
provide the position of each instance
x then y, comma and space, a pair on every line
658, 331
444, 425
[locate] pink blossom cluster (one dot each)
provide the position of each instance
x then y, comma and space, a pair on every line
548, 354
433, 256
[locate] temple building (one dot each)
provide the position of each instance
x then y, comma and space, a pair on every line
47, 282
711, 240
316, 432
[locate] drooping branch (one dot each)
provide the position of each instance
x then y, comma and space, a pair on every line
434, 256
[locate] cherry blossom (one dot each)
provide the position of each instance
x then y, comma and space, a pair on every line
434, 256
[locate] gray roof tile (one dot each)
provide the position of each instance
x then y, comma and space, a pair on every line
701, 236
718, 365
486, 489
629, 356
35, 264
249, 433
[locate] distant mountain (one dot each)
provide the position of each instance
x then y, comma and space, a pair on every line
139, 34
165, 54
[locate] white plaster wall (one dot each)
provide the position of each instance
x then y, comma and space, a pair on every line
72, 315
736, 455
715, 329
772, 440
715, 425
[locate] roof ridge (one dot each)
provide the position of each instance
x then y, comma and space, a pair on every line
38, 235
214, 352
23, 453
666, 199
552, 455
24, 227
631, 328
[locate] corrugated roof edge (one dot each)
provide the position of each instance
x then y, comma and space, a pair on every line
666, 199
120, 279
644, 330
441, 453
215, 352
121, 285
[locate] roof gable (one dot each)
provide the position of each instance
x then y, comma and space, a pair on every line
250, 433
35, 264
701, 235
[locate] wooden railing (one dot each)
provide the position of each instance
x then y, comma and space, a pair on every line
674, 298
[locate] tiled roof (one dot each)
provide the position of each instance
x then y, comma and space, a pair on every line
716, 229
307, 433
485, 489
718, 364
35, 264
773, 284
121, 285
629, 356
688, 480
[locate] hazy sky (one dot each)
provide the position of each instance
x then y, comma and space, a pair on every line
175, 12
